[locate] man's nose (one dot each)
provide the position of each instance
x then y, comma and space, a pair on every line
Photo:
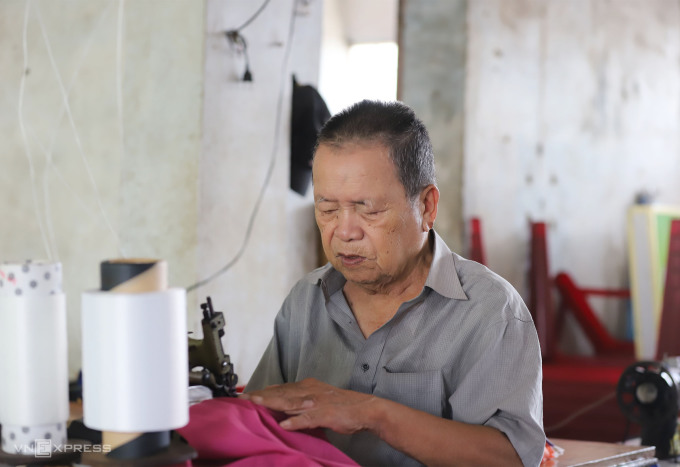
349, 227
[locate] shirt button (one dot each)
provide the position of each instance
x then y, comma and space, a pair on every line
365, 367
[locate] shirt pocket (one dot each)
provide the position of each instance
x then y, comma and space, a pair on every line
423, 390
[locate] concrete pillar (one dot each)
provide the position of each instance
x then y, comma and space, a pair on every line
432, 56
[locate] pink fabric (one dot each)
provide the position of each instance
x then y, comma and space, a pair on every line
239, 433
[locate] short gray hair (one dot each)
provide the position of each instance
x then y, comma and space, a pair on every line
396, 126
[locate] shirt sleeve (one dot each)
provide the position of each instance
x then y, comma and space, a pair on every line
500, 386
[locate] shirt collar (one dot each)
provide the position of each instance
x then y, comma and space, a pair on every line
442, 277
328, 278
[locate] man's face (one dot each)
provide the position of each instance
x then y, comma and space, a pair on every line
370, 231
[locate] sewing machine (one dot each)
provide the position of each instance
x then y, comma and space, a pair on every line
217, 371
648, 394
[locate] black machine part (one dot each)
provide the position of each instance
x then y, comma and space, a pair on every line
647, 394
217, 371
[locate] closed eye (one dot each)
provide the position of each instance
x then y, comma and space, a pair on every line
327, 211
373, 213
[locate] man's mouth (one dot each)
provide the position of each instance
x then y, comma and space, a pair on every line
351, 260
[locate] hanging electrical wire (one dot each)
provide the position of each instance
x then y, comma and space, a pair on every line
255, 15
22, 127
284, 80
50, 167
76, 134
235, 38
580, 412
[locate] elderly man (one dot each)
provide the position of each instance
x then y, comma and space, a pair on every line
406, 352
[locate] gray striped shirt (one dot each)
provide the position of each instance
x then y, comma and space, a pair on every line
464, 349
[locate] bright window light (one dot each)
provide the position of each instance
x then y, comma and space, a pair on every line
373, 71
369, 71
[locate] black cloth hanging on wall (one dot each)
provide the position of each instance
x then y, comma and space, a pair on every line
309, 114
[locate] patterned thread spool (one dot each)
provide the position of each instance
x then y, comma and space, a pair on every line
24, 281
30, 278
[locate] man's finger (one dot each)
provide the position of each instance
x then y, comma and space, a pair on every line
299, 407
303, 421
290, 405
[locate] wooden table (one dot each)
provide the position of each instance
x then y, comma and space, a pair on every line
596, 454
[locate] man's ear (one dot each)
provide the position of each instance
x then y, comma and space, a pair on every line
429, 199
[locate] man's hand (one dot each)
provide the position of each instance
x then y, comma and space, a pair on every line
314, 404
427, 438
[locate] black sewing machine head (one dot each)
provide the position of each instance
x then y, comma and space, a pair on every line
216, 370
647, 393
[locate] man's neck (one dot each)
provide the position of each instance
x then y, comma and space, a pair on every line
374, 305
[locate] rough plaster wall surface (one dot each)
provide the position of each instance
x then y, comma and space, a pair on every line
239, 140
162, 116
572, 109
143, 180
432, 81
67, 205
305, 63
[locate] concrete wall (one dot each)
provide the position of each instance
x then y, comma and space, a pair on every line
239, 141
432, 74
180, 179
571, 109
105, 191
